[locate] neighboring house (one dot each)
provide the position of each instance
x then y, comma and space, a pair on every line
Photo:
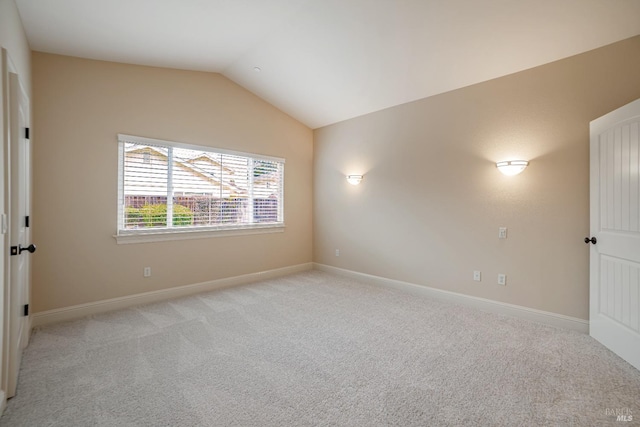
147, 167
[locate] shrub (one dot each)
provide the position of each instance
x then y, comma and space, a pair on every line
132, 217
156, 215
182, 215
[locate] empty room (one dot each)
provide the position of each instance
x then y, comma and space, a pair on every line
320, 212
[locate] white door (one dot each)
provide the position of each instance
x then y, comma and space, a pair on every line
615, 225
18, 286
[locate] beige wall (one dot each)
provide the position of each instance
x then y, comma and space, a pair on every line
79, 107
431, 202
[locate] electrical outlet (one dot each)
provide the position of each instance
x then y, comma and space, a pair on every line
502, 279
477, 276
337, 252
502, 233
147, 272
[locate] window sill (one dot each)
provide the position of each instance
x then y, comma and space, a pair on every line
174, 234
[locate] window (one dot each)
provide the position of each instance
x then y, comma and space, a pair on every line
170, 189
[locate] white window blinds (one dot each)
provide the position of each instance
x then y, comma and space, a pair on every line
168, 185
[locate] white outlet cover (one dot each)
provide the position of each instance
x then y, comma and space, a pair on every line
477, 276
502, 279
502, 233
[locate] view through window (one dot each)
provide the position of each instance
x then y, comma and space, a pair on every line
166, 185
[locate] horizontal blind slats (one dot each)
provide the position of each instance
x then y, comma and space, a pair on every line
209, 188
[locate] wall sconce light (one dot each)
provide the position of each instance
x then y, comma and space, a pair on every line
354, 179
512, 167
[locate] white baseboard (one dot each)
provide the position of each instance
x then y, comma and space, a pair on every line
82, 310
539, 316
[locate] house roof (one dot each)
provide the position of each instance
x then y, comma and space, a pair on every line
324, 61
190, 166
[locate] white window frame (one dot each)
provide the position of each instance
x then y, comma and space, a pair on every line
125, 236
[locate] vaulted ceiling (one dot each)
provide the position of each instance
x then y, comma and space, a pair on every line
324, 61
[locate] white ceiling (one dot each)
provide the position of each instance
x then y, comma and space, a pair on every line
325, 61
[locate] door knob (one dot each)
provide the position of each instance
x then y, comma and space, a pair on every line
31, 248
590, 240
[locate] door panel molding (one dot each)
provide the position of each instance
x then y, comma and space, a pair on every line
615, 221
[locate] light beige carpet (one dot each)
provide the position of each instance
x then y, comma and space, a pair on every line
314, 349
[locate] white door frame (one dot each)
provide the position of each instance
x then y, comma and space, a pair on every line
3, 230
7, 67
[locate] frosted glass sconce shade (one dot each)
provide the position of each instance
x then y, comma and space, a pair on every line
512, 167
354, 179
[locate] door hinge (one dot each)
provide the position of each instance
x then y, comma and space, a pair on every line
14, 250
26, 133
26, 309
